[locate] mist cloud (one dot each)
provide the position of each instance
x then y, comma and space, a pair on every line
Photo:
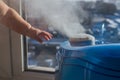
62, 15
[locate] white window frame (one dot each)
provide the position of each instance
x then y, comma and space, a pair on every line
17, 55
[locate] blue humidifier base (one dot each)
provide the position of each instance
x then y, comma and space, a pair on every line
100, 62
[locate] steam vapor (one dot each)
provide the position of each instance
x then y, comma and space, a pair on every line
61, 15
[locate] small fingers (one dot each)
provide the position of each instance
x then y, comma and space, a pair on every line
45, 36
48, 35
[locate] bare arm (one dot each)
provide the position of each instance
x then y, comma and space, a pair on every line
10, 18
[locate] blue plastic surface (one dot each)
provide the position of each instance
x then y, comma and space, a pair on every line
98, 62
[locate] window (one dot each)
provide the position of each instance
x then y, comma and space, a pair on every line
93, 15
40, 57
20, 51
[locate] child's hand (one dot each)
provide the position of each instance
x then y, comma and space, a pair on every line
39, 35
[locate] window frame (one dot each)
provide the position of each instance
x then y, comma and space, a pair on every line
17, 49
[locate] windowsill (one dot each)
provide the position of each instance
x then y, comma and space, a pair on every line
41, 68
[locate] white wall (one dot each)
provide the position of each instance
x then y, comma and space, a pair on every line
5, 52
5, 60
